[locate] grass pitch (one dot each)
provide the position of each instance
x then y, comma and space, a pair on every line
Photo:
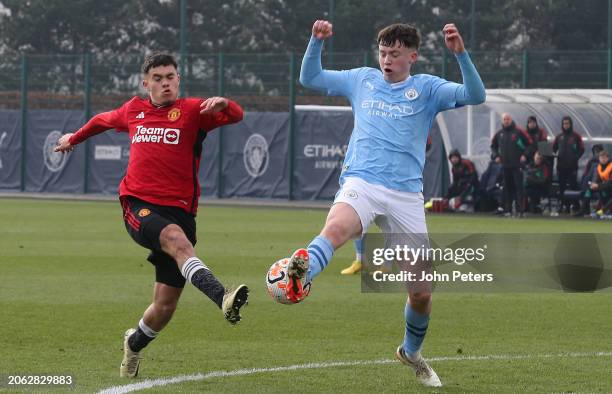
73, 281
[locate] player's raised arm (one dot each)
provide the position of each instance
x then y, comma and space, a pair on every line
99, 123
312, 73
472, 91
219, 111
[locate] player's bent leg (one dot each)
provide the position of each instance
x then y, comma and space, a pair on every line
175, 243
342, 224
165, 301
155, 318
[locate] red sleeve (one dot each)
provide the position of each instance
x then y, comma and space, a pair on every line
555, 146
114, 119
470, 166
231, 114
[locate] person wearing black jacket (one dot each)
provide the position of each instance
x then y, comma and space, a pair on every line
537, 134
509, 148
569, 148
537, 177
465, 179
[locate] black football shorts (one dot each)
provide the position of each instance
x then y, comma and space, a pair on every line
145, 221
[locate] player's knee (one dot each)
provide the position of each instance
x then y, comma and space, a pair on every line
172, 237
337, 231
420, 300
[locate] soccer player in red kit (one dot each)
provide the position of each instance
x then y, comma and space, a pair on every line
159, 193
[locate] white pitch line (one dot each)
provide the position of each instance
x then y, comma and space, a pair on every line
149, 383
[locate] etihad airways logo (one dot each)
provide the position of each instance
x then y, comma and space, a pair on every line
386, 110
156, 135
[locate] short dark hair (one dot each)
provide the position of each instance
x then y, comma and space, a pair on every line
407, 36
157, 59
597, 148
569, 119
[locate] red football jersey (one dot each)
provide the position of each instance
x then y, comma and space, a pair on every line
165, 147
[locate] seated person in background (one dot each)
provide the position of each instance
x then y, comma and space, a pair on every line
587, 177
537, 179
462, 192
490, 189
602, 182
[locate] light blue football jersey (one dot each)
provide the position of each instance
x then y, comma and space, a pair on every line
387, 146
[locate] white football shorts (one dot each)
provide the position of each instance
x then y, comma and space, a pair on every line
395, 212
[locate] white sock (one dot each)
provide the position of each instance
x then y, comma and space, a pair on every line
151, 333
191, 266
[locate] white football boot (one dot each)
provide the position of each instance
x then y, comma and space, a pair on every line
131, 360
424, 373
233, 300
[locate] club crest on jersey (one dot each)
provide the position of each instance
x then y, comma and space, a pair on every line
144, 212
411, 94
174, 114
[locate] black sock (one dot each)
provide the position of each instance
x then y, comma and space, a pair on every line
138, 340
206, 282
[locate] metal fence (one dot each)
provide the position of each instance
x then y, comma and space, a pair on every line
268, 81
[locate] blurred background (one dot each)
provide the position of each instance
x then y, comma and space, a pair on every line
63, 61
67, 50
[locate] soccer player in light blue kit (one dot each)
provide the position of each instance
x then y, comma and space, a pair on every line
382, 175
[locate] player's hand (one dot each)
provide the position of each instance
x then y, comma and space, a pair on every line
322, 29
213, 104
63, 144
523, 159
452, 38
594, 186
498, 160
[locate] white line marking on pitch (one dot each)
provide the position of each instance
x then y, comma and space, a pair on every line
149, 383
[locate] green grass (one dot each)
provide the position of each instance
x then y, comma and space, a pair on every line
73, 281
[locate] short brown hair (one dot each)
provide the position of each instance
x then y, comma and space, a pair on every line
157, 59
407, 36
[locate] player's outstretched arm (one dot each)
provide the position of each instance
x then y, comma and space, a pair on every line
219, 111
101, 122
312, 73
472, 91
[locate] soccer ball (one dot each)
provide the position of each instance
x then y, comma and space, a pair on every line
277, 281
